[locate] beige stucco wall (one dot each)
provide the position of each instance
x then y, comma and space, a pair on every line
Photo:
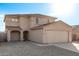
42, 20
32, 22
24, 23
70, 36
36, 35
59, 26
8, 21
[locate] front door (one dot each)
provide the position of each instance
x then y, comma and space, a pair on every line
25, 35
15, 36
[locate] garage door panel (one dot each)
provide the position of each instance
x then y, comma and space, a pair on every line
56, 36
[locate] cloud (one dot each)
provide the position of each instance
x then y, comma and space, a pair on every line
60, 9
64, 10
1, 16
65, 1
2, 26
39, 1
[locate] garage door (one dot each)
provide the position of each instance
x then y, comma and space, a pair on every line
56, 36
15, 36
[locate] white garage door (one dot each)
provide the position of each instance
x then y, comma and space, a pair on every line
56, 36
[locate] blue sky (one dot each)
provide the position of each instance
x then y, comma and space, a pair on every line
69, 13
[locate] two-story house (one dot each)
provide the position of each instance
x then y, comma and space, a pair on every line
36, 27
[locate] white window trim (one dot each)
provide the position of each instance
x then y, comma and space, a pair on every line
14, 20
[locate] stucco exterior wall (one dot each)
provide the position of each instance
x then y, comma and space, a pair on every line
24, 23
9, 21
70, 36
36, 35
60, 27
41, 20
32, 22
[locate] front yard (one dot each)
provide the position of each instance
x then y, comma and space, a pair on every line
31, 49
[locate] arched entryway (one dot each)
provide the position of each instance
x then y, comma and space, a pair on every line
25, 35
74, 37
15, 35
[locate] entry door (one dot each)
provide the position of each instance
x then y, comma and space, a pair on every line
25, 35
15, 36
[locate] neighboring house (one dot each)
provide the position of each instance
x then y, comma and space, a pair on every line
2, 36
36, 27
75, 33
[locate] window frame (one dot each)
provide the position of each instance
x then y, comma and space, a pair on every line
14, 19
37, 20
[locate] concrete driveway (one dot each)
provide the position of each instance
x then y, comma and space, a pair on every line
74, 46
32, 49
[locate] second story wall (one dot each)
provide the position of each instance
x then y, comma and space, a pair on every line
24, 23
36, 21
12, 21
21, 21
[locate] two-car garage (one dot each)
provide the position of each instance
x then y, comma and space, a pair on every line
52, 33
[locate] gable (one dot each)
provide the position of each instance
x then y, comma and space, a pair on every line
59, 25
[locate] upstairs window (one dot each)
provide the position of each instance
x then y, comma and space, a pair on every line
14, 20
37, 20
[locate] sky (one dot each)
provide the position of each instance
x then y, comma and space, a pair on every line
21, 8
67, 12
